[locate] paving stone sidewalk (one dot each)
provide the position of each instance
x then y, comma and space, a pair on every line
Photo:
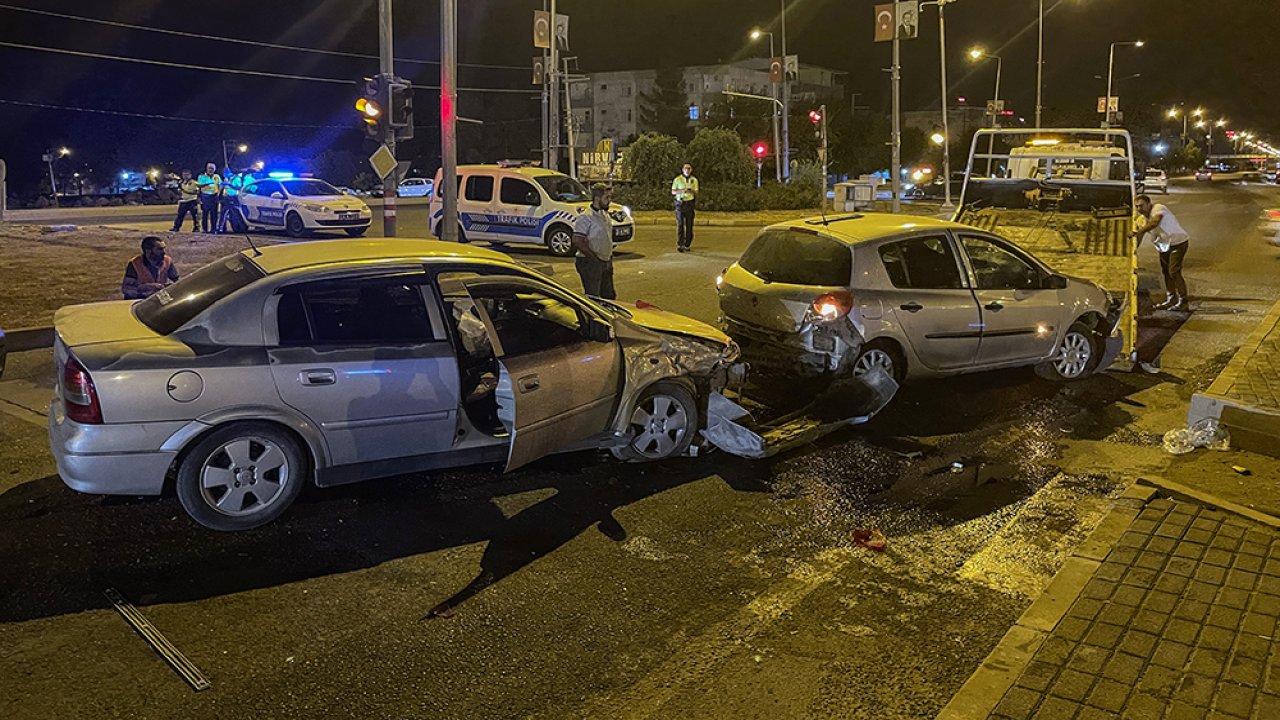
1246, 395
1178, 621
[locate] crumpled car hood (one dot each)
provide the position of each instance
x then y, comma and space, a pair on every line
662, 321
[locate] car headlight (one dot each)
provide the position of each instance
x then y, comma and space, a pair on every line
315, 208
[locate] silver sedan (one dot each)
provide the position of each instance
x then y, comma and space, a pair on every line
334, 362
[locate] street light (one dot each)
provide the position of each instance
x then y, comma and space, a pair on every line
756, 34
1111, 64
226, 154
976, 54
937, 138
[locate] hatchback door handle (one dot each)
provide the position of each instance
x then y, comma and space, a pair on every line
318, 377
912, 307
529, 383
994, 306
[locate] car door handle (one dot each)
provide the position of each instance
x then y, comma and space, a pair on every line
994, 306
318, 377
528, 383
912, 307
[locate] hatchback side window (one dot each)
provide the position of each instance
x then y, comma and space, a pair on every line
998, 268
921, 263
479, 188
519, 192
367, 311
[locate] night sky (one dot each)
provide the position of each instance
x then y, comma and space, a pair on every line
1219, 55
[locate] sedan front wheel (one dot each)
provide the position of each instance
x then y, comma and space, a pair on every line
662, 425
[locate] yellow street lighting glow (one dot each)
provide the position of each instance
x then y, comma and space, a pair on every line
1173, 112
64, 151
242, 148
756, 33
977, 53
1041, 142
1139, 43
1198, 111
938, 138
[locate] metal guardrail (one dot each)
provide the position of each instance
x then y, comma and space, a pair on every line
23, 339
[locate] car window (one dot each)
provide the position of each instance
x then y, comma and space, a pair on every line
528, 319
518, 192
265, 188
921, 263
798, 258
998, 268
171, 308
564, 188
355, 311
479, 188
310, 188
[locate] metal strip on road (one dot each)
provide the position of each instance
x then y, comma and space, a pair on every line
158, 642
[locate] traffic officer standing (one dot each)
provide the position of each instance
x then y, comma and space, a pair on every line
188, 200
593, 237
210, 186
150, 272
231, 187
685, 190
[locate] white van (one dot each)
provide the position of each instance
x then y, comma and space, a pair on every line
507, 203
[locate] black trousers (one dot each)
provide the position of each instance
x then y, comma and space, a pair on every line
184, 207
684, 222
209, 212
1171, 266
597, 278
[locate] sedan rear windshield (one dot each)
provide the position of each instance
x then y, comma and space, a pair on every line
797, 258
173, 306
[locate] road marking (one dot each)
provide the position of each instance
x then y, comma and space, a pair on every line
698, 657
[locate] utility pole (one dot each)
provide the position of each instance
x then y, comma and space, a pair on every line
1039, 68
449, 117
946, 128
386, 66
896, 141
570, 134
546, 107
786, 99
822, 110
553, 112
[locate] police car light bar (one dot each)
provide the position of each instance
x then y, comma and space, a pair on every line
279, 175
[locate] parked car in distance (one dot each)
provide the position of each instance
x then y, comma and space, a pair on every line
301, 206
340, 361
1155, 180
414, 187
520, 204
915, 296
1204, 174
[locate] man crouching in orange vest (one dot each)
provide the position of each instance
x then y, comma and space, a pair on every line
149, 272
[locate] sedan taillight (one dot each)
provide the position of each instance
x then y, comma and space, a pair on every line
79, 394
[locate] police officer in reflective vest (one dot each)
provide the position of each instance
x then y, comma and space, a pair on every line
210, 184
230, 214
150, 272
685, 191
188, 200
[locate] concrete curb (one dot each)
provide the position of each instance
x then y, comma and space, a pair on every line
1255, 428
23, 339
1182, 492
984, 689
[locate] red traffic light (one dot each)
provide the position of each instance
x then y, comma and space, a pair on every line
760, 150
815, 116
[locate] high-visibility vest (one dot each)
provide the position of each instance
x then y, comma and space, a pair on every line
187, 190
688, 187
144, 273
231, 186
210, 184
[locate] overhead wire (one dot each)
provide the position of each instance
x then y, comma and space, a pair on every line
234, 71
157, 116
241, 41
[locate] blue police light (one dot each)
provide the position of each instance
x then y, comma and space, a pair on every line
280, 175
1160, 148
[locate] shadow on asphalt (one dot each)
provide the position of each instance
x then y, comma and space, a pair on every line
60, 549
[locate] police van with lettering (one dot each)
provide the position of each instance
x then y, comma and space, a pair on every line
517, 203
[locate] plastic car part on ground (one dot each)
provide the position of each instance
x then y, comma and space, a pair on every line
846, 402
1207, 433
871, 539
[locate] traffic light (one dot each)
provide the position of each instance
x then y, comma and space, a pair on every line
370, 106
815, 117
760, 150
400, 109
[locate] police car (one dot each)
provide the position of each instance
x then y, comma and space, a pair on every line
302, 206
515, 203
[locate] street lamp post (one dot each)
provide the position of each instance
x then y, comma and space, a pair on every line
1111, 64
49, 157
777, 146
786, 97
946, 130
226, 155
979, 54
1040, 67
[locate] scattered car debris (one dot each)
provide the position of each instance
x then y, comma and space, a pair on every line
1207, 433
158, 642
1241, 470
871, 539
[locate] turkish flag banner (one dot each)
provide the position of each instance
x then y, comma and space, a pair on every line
775, 70
886, 17
542, 29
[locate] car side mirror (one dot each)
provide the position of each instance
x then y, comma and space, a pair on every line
1055, 282
599, 331
278, 196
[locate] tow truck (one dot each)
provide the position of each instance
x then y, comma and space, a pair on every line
1067, 196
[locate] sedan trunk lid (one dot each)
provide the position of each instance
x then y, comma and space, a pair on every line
103, 322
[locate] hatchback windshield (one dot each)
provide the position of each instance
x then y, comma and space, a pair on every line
796, 258
173, 306
310, 188
563, 188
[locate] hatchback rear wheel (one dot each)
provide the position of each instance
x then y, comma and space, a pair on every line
241, 476
880, 354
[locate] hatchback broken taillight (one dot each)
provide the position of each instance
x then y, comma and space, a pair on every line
830, 306
79, 394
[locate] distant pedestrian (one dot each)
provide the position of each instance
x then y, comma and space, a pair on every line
593, 237
188, 202
1172, 241
150, 272
210, 185
685, 191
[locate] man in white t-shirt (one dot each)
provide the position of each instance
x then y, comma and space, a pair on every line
1171, 240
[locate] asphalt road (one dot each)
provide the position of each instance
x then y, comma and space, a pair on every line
702, 588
